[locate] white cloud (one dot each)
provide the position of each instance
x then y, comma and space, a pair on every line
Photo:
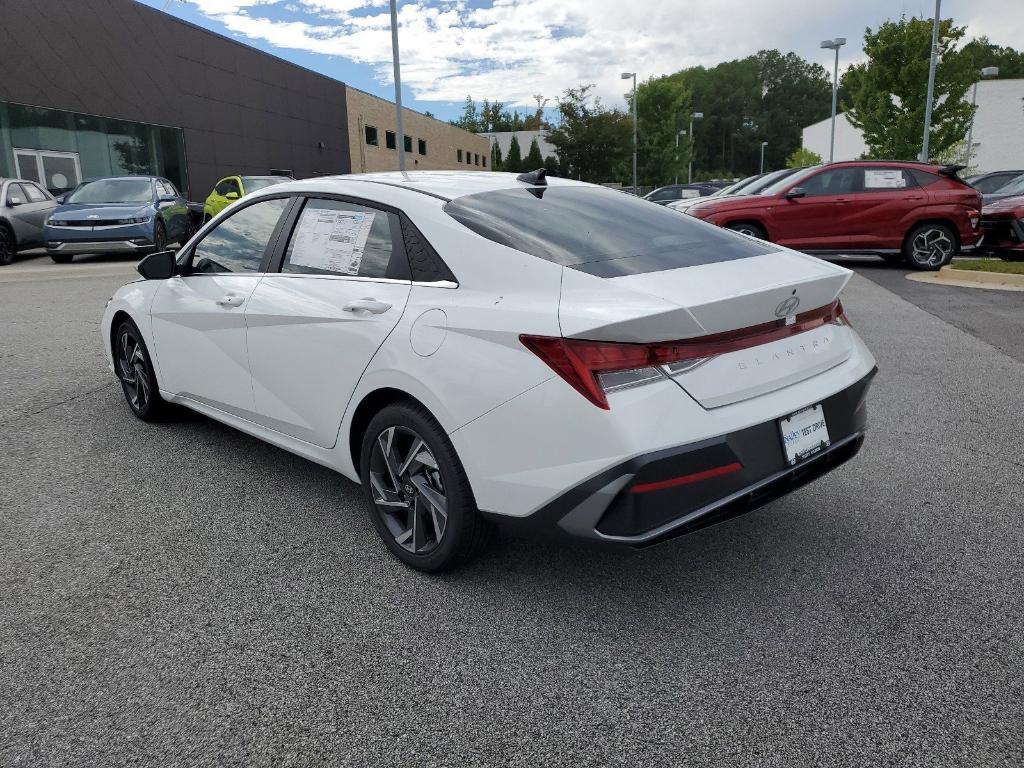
511, 49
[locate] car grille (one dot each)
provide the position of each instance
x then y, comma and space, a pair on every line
93, 223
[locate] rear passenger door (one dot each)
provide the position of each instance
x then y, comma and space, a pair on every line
314, 326
880, 215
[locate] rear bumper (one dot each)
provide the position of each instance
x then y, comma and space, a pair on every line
639, 502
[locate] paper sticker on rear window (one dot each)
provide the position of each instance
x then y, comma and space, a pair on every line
331, 240
884, 179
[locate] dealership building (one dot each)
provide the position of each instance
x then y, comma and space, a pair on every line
997, 138
102, 87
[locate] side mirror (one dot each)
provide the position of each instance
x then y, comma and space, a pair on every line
796, 192
231, 195
14, 200
61, 198
158, 266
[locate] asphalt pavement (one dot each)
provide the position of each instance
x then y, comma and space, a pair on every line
182, 594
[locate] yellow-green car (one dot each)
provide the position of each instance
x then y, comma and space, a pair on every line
230, 188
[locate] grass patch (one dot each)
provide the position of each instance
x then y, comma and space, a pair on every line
990, 265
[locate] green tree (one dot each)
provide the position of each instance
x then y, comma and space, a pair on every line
801, 157
593, 142
534, 159
888, 92
514, 162
496, 164
661, 105
469, 120
983, 53
795, 93
551, 166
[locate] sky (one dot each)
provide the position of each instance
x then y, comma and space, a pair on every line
509, 50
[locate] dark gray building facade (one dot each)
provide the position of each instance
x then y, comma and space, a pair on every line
101, 87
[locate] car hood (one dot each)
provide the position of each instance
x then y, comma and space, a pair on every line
1007, 206
100, 211
731, 203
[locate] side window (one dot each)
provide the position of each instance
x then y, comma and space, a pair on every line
238, 243
666, 194
389, 139
458, 155
234, 187
371, 135
836, 181
223, 187
407, 142
16, 195
35, 194
887, 179
421, 146
336, 237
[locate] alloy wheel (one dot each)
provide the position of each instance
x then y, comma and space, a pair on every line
131, 363
931, 247
408, 490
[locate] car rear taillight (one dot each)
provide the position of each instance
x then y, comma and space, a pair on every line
594, 368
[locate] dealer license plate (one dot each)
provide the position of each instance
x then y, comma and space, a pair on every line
804, 434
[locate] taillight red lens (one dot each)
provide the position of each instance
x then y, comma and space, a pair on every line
579, 361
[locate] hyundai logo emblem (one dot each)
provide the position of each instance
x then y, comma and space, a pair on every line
787, 307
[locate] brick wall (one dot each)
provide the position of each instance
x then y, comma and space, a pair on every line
443, 141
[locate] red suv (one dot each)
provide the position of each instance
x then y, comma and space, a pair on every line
916, 212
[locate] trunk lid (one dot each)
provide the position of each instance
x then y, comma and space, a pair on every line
712, 299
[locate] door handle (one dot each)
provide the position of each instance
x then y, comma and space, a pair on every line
370, 305
230, 301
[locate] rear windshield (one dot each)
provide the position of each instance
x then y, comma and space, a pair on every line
598, 231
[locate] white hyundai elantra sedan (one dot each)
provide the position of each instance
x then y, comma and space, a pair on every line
481, 348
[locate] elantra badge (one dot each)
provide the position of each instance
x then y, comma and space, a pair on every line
787, 307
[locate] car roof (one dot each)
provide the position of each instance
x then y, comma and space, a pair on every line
446, 185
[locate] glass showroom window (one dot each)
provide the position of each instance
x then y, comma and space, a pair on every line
59, 149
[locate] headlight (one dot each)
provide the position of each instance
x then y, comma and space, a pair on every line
55, 222
135, 220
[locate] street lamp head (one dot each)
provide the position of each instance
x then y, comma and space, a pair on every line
697, 115
627, 75
764, 143
989, 71
834, 45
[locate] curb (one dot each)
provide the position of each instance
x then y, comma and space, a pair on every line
965, 278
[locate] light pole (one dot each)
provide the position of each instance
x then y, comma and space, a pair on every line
398, 85
931, 84
985, 72
834, 45
763, 145
689, 172
678, 134
626, 76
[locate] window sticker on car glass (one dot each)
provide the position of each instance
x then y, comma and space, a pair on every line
331, 240
884, 179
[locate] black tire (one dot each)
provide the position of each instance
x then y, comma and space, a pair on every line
8, 246
159, 237
444, 541
61, 258
748, 228
134, 368
190, 229
930, 246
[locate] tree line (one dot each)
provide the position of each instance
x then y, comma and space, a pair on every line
766, 97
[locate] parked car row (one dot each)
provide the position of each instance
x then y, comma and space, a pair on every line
117, 214
918, 213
